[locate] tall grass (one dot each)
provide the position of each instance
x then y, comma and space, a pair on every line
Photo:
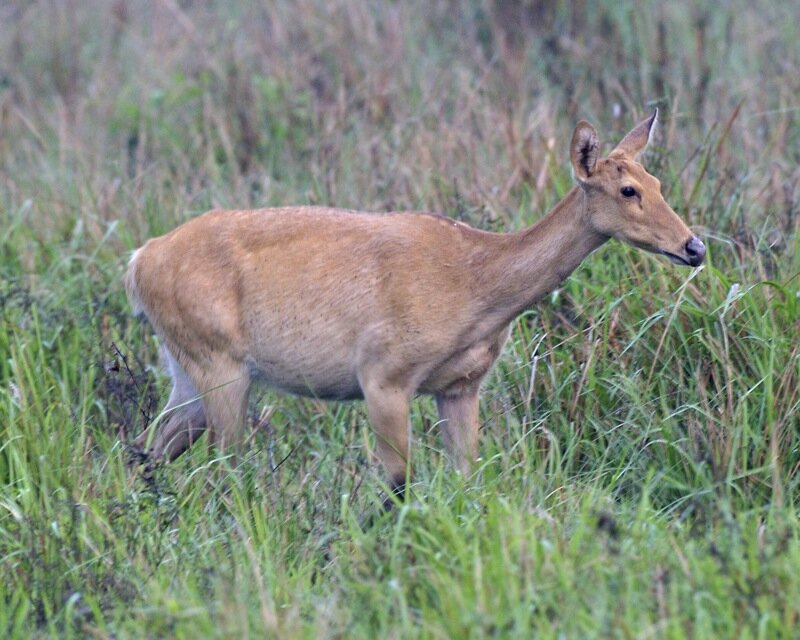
640, 443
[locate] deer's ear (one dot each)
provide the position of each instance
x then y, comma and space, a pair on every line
633, 144
584, 150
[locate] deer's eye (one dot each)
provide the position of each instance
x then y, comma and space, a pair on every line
628, 192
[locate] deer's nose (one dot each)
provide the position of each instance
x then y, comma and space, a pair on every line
695, 251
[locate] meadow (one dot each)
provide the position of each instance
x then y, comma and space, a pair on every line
640, 438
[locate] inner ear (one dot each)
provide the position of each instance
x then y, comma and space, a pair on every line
584, 150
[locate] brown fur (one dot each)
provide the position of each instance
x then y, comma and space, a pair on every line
342, 305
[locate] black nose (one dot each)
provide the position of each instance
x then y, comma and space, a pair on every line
695, 250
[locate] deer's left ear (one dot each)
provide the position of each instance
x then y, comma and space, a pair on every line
584, 150
633, 144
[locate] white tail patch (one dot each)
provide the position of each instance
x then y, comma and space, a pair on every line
131, 286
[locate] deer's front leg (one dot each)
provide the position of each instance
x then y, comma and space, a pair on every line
387, 408
460, 424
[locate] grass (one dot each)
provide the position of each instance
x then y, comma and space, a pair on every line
641, 440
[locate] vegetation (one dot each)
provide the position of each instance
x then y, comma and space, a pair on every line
641, 440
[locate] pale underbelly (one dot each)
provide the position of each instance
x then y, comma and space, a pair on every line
323, 383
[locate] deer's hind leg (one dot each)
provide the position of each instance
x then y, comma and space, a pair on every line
184, 416
225, 404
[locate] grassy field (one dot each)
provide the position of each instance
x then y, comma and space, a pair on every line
641, 433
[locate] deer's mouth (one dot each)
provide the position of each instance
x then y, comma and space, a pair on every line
674, 258
693, 253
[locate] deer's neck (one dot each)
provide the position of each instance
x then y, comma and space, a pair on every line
529, 264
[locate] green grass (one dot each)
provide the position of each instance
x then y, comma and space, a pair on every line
641, 440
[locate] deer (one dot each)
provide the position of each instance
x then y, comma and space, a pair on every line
343, 305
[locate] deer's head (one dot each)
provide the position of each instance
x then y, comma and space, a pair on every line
624, 201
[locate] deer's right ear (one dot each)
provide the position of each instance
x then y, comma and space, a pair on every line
584, 150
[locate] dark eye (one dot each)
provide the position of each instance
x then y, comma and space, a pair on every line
628, 192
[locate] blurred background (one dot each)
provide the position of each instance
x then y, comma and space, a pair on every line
141, 112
